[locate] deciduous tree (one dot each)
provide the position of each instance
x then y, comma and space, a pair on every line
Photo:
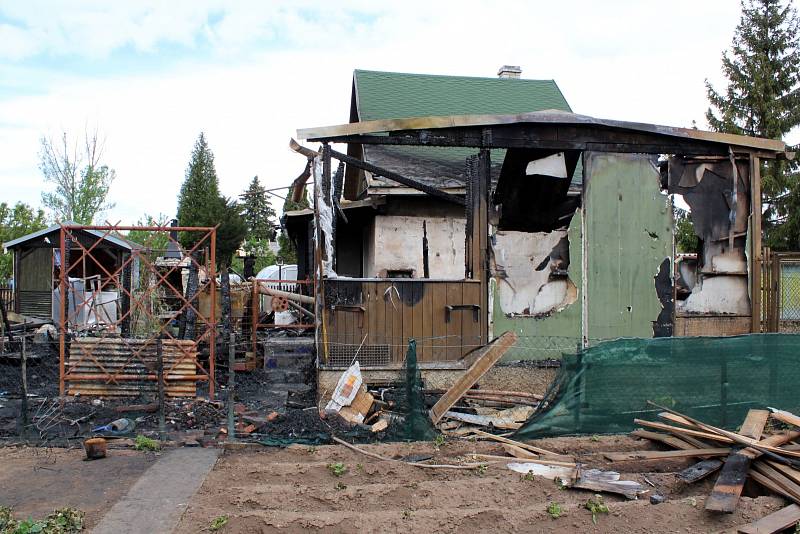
81, 180
16, 221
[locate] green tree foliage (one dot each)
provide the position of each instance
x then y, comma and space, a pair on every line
81, 181
686, 241
16, 221
762, 98
200, 204
151, 240
231, 232
286, 253
199, 201
258, 212
259, 249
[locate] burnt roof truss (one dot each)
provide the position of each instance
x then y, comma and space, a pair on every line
541, 136
379, 171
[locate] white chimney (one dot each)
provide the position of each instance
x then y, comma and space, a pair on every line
509, 71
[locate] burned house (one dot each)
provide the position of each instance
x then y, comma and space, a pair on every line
568, 235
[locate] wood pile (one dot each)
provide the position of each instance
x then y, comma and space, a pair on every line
765, 450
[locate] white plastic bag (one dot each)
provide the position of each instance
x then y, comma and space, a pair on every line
346, 389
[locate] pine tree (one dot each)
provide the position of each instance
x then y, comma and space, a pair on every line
763, 99
231, 232
258, 212
199, 198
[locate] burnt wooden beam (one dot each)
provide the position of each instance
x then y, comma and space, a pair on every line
414, 184
728, 488
551, 137
476, 267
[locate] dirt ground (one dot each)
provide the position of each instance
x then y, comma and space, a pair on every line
35, 481
264, 490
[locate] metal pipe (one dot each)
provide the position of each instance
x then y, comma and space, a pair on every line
302, 310
262, 288
231, 387
212, 342
153, 377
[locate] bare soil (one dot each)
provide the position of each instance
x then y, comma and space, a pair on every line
36, 481
264, 490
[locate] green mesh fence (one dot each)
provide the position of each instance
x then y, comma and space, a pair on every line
415, 424
603, 388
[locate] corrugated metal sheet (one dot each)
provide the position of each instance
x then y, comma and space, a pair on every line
123, 367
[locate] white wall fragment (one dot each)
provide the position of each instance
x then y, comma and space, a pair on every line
555, 166
718, 294
521, 288
395, 244
326, 214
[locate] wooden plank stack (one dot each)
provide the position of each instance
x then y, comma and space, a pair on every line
756, 452
120, 367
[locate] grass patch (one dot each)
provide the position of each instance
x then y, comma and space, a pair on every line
61, 521
143, 443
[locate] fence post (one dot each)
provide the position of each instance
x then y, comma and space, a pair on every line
162, 423
23, 407
231, 387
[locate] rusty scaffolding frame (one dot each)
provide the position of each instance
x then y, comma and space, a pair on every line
135, 300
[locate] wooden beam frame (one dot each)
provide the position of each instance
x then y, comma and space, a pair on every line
755, 242
544, 136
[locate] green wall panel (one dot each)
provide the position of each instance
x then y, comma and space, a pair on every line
628, 236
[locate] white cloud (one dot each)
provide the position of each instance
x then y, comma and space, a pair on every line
274, 67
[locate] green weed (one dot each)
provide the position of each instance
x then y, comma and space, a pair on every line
218, 522
596, 506
554, 510
337, 469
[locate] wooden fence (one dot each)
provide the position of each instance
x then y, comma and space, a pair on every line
7, 296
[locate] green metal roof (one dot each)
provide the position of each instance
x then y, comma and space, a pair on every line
394, 95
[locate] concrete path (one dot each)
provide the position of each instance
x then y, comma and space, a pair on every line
155, 503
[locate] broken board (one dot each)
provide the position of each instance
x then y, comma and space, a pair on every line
728, 487
491, 354
774, 522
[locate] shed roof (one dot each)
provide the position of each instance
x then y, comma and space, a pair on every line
394, 95
56, 229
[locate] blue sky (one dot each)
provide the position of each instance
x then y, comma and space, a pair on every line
150, 75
